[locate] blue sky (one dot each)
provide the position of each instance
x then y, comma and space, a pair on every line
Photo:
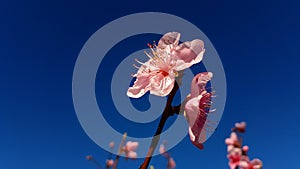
39, 41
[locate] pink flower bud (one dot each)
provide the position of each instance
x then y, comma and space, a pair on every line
245, 148
109, 163
111, 144
162, 149
89, 157
171, 163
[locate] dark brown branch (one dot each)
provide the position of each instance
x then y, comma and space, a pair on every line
176, 109
168, 111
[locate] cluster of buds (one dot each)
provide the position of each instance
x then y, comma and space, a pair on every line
162, 150
128, 149
237, 153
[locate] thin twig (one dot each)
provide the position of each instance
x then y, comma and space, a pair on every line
120, 150
95, 162
168, 111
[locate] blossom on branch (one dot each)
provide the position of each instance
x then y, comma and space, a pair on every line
109, 163
171, 162
129, 149
198, 107
168, 57
236, 153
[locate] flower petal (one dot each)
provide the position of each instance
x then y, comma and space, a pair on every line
168, 41
199, 82
132, 154
140, 86
188, 54
161, 85
196, 121
256, 163
131, 146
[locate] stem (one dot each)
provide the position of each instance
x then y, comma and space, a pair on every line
120, 150
168, 111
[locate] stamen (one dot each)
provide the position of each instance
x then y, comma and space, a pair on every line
176, 73
139, 61
213, 110
150, 57
135, 66
154, 53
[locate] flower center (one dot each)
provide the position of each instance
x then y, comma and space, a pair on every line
164, 73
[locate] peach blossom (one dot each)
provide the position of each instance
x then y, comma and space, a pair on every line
157, 75
111, 144
162, 149
109, 163
197, 108
240, 127
171, 163
129, 149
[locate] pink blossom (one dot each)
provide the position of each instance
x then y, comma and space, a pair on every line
234, 157
130, 148
240, 127
197, 108
162, 149
256, 163
171, 163
109, 163
111, 144
157, 75
247, 164
245, 148
237, 154
232, 140
132, 154
89, 157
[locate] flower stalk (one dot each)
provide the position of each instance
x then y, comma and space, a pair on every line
168, 111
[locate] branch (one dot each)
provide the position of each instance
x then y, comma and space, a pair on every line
120, 150
168, 111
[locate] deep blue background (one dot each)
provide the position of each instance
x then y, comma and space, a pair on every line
258, 43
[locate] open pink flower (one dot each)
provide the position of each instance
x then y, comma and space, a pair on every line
237, 153
247, 164
157, 75
130, 148
234, 157
256, 163
197, 108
